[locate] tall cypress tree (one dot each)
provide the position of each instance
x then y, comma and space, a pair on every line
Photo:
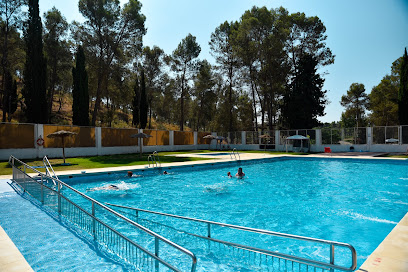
403, 91
136, 104
80, 105
9, 96
35, 70
143, 102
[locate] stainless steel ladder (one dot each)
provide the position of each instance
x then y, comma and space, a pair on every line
235, 153
47, 166
154, 159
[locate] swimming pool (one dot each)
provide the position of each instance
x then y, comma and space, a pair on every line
348, 200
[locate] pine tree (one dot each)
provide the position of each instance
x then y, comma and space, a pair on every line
136, 104
35, 69
80, 105
305, 100
403, 91
143, 102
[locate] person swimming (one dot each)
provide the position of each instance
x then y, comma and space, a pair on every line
229, 175
240, 174
106, 187
165, 173
130, 174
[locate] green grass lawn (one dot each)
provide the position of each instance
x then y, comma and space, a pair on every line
121, 160
100, 161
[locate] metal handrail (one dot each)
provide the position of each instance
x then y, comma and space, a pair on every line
154, 159
235, 153
47, 172
267, 232
158, 236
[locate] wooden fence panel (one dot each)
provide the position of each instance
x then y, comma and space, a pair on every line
84, 138
118, 137
183, 138
17, 136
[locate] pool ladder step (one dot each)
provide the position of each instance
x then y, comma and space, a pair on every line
154, 160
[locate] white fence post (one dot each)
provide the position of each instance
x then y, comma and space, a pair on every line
98, 140
195, 139
39, 132
243, 137
318, 137
171, 138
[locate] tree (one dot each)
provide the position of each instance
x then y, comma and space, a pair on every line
305, 100
355, 102
59, 58
80, 104
205, 98
10, 96
183, 64
221, 45
35, 72
10, 12
143, 102
109, 34
403, 91
152, 64
384, 103
136, 104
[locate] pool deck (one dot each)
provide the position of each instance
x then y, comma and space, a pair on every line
390, 255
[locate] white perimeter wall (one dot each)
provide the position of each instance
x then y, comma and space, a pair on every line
39, 151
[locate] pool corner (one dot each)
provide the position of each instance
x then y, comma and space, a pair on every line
392, 253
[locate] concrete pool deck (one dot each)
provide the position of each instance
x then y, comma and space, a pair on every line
391, 254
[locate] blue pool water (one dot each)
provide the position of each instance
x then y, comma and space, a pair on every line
350, 201
48, 242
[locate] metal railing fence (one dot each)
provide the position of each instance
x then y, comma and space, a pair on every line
92, 217
294, 260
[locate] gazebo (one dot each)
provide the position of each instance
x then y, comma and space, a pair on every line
298, 141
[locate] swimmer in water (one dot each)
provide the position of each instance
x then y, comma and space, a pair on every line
229, 175
130, 174
240, 174
106, 187
165, 173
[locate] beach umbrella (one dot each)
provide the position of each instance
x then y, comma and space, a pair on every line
212, 137
139, 136
62, 134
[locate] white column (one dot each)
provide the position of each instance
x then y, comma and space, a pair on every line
171, 138
195, 139
39, 132
98, 140
318, 137
243, 137
277, 139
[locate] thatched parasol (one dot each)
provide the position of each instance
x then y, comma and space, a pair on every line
62, 134
140, 135
211, 137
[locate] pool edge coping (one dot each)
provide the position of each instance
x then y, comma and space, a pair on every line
392, 253
11, 258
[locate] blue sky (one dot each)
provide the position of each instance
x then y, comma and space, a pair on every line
366, 36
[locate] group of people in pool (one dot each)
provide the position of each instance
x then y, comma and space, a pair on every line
239, 174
